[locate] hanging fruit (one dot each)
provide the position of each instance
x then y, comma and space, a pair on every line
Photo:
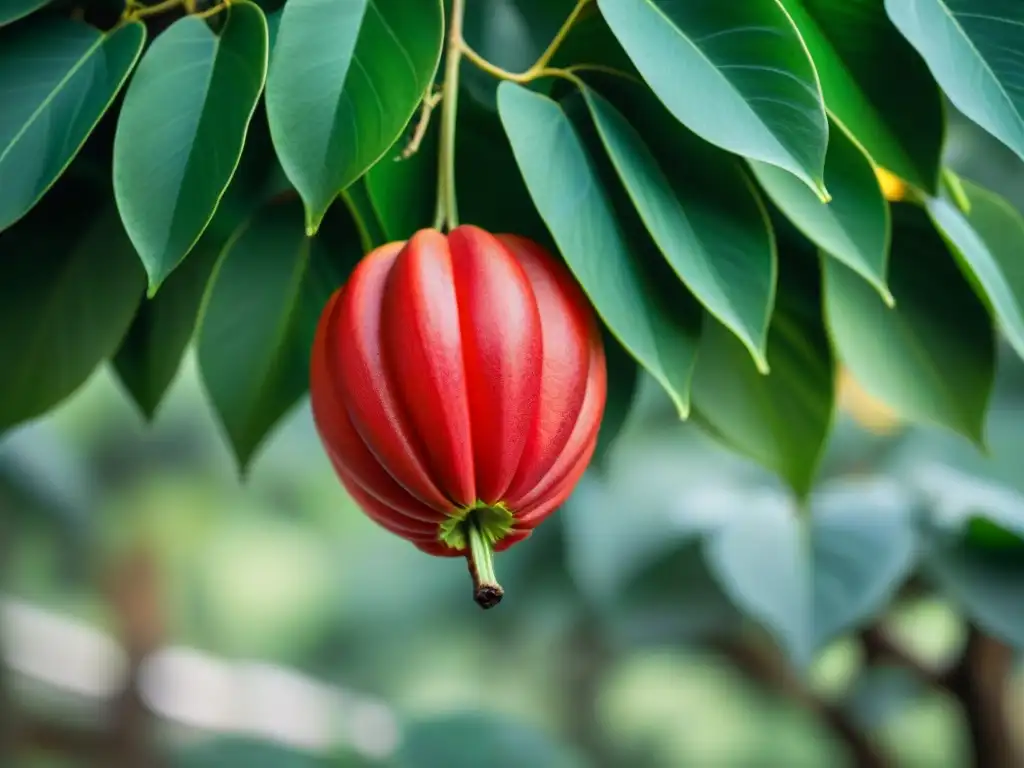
458, 383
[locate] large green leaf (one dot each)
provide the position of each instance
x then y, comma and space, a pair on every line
970, 47
737, 74
700, 210
932, 356
898, 120
181, 131
989, 241
863, 547
258, 320
12, 10
854, 225
760, 558
807, 583
64, 308
345, 77
976, 545
782, 419
151, 353
57, 78
569, 194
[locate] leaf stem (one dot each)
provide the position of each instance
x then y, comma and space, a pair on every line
447, 212
559, 38
487, 592
135, 11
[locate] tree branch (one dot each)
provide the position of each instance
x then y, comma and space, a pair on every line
768, 669
979, 682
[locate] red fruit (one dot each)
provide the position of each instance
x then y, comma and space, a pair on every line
458, 383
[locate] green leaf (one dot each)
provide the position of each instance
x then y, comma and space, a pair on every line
672, 480
990, 591
345, 77
497, 200
854, 226
569, 194
468, 740
12, 10
898, 120
932, 357
967, 46
257, 323
989, 241
57, 78
736, 74
403, 191
761, 560
360, 206
181, 131
623, 379
809, 583
863, 547
150, 355
700, 210
66, 308
782, 419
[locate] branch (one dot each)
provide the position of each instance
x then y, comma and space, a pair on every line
878, 646
770, 670
979, 682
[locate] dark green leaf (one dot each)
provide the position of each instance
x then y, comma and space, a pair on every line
473, 739
12, 10
258, 322
404, 191
64, 308
364, 214
782, 419
736, 74
491, 190
854, 226
970, 47
989, 241
700, 210
932, 357
623, 376
510, 34
181, 131
57, 78
151, 353
898, 120
566, 188
345, 77
988, 590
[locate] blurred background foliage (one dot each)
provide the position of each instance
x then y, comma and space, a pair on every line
270, 625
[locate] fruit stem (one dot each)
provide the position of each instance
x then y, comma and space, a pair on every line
447, 206
487, 592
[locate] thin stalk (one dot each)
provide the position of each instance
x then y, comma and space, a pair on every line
447, 206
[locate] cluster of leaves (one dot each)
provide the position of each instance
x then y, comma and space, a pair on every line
709, 171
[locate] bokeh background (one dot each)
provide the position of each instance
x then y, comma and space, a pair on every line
158, 608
